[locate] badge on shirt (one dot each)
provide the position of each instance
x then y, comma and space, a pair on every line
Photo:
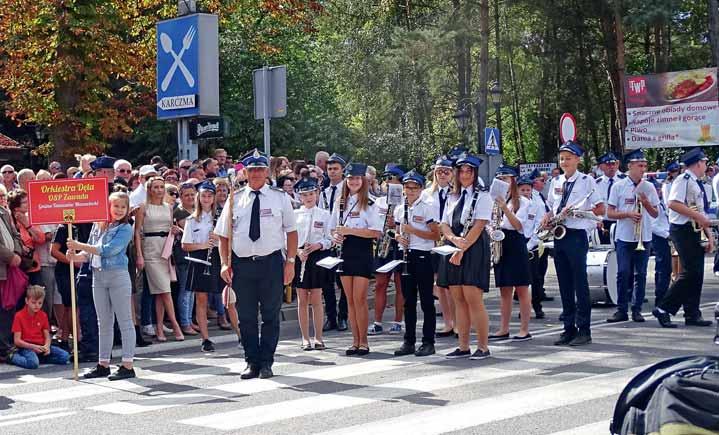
530, 217
266, 212
558, 190
418, 219
629, 201
354, 214
319, 224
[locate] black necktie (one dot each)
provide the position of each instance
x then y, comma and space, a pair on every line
457, 214
442, 202
565, 194
332, 198
255, 218
609, 191
704, 196
544, 201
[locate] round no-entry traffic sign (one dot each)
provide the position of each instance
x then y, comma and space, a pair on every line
567, 128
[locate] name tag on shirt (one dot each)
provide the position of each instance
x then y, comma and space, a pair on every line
354, 214
558, 190
530, 217
265, 212
319, 224
629, 201
418, 219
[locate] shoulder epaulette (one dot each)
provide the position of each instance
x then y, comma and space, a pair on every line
484, 188
277, 189
621, 176
370, 201
584, 177
687, 176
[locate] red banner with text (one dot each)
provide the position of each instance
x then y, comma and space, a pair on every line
61, 201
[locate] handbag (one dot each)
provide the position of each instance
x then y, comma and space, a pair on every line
13, 288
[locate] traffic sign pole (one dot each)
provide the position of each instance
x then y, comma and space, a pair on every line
266, 107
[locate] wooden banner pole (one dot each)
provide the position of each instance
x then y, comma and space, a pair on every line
75, 363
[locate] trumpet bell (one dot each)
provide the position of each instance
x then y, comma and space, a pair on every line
497, 235
559, 232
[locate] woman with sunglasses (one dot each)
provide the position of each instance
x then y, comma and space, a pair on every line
154, 223
511, 272
437, 195
355, 230
466, 271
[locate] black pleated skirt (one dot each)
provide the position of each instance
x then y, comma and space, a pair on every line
315, 276
474, 269
357, 256
197, 280
513, 267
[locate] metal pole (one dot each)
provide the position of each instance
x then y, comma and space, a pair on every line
184, 7
266, 108
498, 106
498, 112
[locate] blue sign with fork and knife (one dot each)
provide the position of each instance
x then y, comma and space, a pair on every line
187, 67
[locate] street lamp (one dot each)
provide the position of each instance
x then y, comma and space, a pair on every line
496, 93
461, 117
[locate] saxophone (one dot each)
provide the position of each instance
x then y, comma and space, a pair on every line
496, 233
387, 234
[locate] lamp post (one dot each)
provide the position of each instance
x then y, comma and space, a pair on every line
461, 117
496, 93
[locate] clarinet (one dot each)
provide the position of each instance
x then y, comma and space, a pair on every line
339, 248
307, 240
208, 263
469, 221
405, 251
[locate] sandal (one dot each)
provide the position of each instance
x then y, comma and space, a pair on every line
352, 351
161, 338
306, 346
179, 337
189, 331
319, 345
363, 350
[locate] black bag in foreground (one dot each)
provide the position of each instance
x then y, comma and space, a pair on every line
677, 396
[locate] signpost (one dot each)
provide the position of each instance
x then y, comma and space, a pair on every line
567, 128
269, 85
68, 201
492, 140
187, 73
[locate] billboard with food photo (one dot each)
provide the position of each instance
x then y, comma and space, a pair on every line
677, 109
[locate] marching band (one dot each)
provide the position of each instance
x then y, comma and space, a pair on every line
441, 241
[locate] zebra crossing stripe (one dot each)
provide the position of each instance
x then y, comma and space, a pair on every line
464, 416
32, 416
258, 415
588, 429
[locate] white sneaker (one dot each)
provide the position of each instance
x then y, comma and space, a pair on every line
149, 330
396, 328
375, 329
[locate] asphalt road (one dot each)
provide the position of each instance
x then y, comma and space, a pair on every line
525, 388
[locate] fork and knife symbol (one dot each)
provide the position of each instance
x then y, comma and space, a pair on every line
167, 47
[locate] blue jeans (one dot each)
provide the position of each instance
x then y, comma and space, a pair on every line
28, 359
662, 267
631, 263
184, 296
215, 301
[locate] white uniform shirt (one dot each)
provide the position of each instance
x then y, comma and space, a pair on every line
326, 196
603, 183
535, 214
482, 211
197, 231
354, 217
623, 199
660, 224
276, 218
584, 192
314, 226
666, 190
686, 190
420, 215
522, 214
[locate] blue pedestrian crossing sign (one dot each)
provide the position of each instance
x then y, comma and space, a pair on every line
492, 139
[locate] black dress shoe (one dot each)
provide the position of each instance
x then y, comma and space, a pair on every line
444, 334
637, 317
539, 314
565, 338
266, 372
425, 350
250, 372
98, 372
546, 298
618, 316
581, 340
342, 325
405, 349
329, 325
664, 318
697, 321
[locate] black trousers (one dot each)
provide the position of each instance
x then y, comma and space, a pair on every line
334, 311
687, 288
538, 267
420, 279
570, 260
258, 285
6, 336
604, 237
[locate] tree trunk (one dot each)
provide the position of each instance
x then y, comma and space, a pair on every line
613, 31
483, 72
714, 29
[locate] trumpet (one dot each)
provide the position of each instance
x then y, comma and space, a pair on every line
496, 233
638, 226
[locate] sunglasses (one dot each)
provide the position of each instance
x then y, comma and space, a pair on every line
8, 172
185, 167
242, 183
122, 171
175, 194
443, 171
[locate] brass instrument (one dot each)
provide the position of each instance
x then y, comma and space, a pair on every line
496, 234
339, 246
394, 198
638, 226
405, 251
555, 229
